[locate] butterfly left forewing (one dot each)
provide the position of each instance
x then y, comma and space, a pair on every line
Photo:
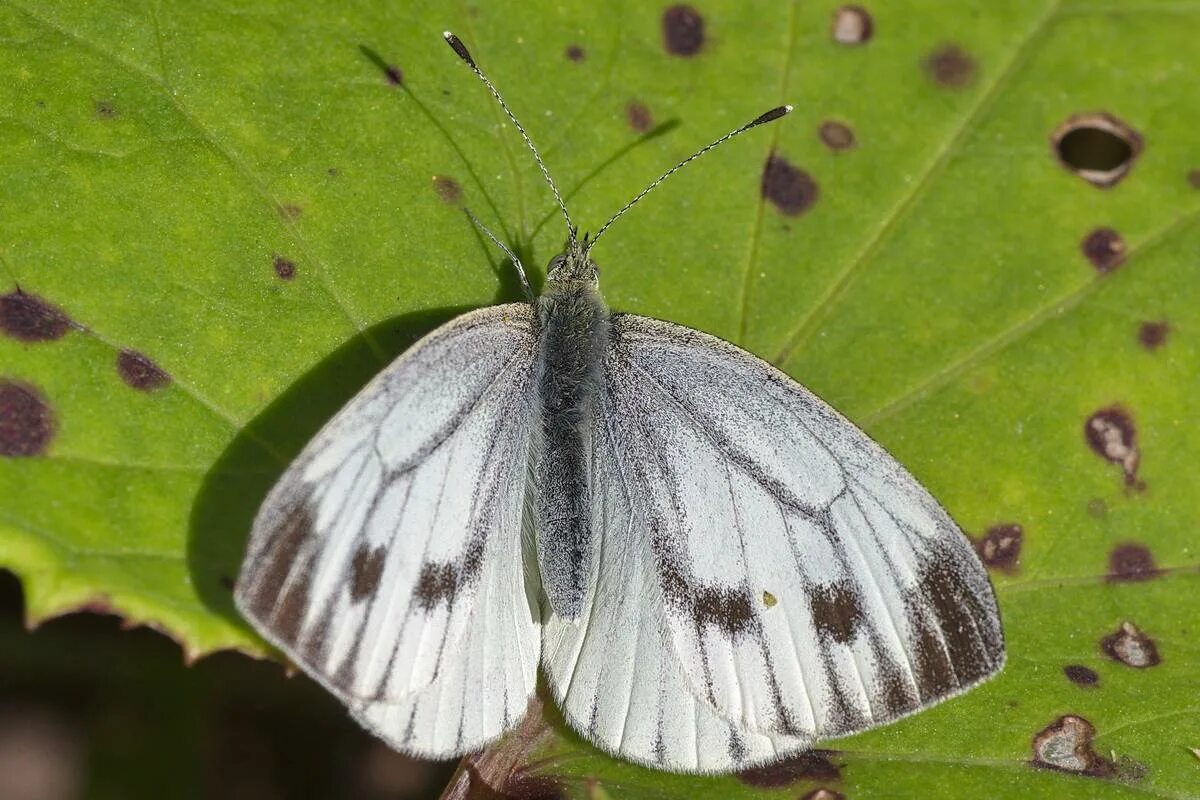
810, 586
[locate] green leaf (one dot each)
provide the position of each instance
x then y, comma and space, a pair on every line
167, 163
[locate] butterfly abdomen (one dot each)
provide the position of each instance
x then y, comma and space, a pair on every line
572, 341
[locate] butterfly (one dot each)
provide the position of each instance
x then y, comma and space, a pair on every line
712, 567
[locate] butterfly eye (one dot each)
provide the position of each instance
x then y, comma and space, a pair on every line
555, 263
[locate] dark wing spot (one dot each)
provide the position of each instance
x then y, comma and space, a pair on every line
1000, 547
837, 611
1153, 335
1104, 248
447, 189
29, 318
639, 116
140, 372
812, 765
683, 30
836, 135
285, 268
1097, 147
852, 25
1111, 434
1081, 675
791, 190
1066, 746
264, 580
951, 66
956, 611
436, 583
575, 53
737, 748
26, 421
1131, 561
366, 570
1131, 647
723, 607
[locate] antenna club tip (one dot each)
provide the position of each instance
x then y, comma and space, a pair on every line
771, 116
787, 109
458, 47
447, 35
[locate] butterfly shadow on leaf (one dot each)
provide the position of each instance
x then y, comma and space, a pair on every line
236, 484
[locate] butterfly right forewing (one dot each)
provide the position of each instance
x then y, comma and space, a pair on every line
388, 560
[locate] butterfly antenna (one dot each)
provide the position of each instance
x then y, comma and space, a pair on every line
511, 255
461, 49
761, 119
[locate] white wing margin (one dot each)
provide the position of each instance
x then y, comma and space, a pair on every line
806, 584
388, 562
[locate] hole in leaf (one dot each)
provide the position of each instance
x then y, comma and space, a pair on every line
1097, 147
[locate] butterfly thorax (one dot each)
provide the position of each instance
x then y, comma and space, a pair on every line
573, 325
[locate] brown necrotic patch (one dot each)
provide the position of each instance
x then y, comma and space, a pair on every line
394, 75
1104, 248
813, 765
437, 583
365, 571
823, 794
1131, 561
284, 267
1153, 335
1098, 147
448, 190
1081, 675
1111, 434
1000, 546
1066, 746
951, 66
140, 372
575, 53
682, 30
26, 420
837, 611
836, 136
1129, 645
639, 116
29, 318
106, 109
290, 211
852, 25
790, 189
1193, 178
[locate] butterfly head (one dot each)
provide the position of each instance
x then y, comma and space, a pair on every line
574, 265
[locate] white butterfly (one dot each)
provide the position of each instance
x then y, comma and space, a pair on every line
713, 567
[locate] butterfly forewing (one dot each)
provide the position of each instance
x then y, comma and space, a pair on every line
376, 558
805, 584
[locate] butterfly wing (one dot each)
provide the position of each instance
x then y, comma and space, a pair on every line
388, 562
808, 585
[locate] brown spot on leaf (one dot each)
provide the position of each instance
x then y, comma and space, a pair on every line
105, 109
365, 571
1097, 147
140, 372
639, 116
575, 53
1105, 248
1152, 335
1097, 507
812, 765
26, 420
790, 189
394, 75
683, 30
950, 66
1081, 675
29, 318
1000, 547
1131, 561
836, 135
1130, 646
447, 189
1066, 746
837, 611
823, 794
284, 267
1112, 436
1193, 178
852, 25
290, 211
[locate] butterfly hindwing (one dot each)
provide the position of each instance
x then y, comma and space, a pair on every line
807, 585
388, 562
